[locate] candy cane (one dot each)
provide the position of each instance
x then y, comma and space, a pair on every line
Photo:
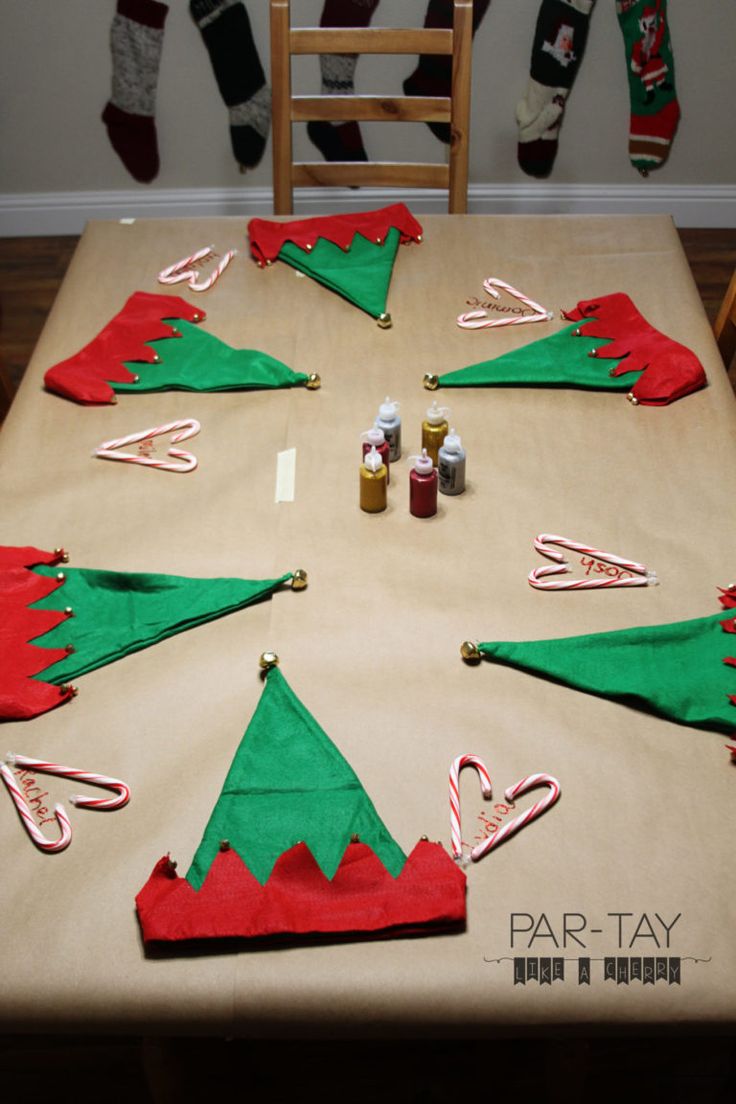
40, 766
479, 319
181, 270
204, 285
187, 427
643, 577
27, 817
541, 806
174, 274
485, 785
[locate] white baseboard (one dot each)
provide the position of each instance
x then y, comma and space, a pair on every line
45, 213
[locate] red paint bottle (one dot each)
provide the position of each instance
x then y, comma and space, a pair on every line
376, 438
423, 486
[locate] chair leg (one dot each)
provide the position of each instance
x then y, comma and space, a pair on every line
283, 196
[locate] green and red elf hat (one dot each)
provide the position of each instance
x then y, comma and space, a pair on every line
295, 848
679, 671
56, 625
610, 347
352, 254
152, 345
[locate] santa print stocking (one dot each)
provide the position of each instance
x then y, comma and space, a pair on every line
227, 34
433, 74
136, 40
654, 108
341, 141
559, 42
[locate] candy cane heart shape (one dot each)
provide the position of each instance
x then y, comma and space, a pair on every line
180, 270
24, 811
519, 822
537, 577
181, 431
480, 319
41, 766
485, 785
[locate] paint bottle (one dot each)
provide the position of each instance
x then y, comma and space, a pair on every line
374, 438
389, 421
372, 483
434, 430
451, 465
423, 486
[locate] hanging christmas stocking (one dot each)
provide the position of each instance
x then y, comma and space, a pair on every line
56, 625
227, 34
136, 40
559, 42
433, 74
341, 141
654, 108
294, 846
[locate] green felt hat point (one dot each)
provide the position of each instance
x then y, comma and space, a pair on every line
115, 613
679, 671
287, 783
361, 273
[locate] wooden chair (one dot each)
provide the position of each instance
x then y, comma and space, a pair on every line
724, 327
287, 109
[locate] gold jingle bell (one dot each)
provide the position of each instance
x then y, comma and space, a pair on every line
632, 398
268, 660
313, 382
384, 321
431, 382
469, 651
67, 688
299, 579
61, 554
224, 845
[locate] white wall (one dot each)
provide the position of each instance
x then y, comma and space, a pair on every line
55, 79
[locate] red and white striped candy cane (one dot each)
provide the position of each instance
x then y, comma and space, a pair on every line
180, 270
40, 766
485, 785
643, 576
204, 285
27, 816
541, 806
480, 319
186, 427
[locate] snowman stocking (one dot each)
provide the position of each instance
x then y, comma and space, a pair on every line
559, 42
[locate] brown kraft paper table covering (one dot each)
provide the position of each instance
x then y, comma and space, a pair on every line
645, 821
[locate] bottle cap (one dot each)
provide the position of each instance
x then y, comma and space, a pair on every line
436, 414
374, 435
372, 461
452, 442
388, 409
422, 464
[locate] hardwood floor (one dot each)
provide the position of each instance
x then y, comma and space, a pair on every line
31, 270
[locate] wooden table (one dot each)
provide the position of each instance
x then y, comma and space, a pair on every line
645, 822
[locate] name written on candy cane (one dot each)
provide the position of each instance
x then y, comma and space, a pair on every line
488, 304
488, 826
599, 568
29, 785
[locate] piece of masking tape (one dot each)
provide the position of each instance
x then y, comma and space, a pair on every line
285, 475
